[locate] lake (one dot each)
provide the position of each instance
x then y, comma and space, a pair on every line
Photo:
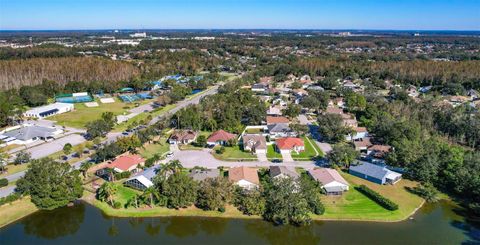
439, 223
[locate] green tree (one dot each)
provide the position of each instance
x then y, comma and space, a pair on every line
67, 148
97, 128
106, 192
22, 157
342, 155
292, 110
250, 202
201, 141
285, 204
331, 128
152, 195
84, 168
214, 193
179, 190
51, 184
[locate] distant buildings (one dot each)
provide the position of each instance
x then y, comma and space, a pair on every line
139, 35
49, 110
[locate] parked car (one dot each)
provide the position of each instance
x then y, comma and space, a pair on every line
170, 154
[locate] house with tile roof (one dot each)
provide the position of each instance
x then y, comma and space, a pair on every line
244, 177
289, 144
331, 181
127, 163
274, 120
182, 137
220, 137
379, 174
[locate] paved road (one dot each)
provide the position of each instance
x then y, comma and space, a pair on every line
325, 147
5, 191
190, 159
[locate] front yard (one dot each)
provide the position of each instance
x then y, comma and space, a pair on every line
309, 152
271, 153
234, 154
161, 147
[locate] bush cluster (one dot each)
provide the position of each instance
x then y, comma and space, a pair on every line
376, 197
3, 182
10, 198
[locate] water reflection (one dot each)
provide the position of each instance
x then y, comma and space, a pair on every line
56, 223
284, 234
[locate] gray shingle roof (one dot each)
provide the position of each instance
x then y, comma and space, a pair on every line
278, 127
277, 170
376, 171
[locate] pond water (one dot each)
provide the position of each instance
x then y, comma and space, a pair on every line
440, 223
196, 91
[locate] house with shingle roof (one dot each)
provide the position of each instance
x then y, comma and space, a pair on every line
203, 174
220, 137
255, 143
283, 172
331, 181
379, 174
280, 130
244, 177
182, 137
378, 151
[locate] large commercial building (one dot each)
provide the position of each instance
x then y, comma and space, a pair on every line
49, 110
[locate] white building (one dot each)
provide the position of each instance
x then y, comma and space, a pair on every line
28, 134
49, 110
139, 35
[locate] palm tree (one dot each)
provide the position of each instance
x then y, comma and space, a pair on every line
152, 193
133, 202
84, 168
107, 191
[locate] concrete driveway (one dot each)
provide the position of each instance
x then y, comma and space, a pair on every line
287, 157
262, 157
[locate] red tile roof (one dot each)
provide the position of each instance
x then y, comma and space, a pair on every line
220, 135
273, 120
288, 143
124, 163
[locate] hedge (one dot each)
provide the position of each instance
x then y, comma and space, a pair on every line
376, 197
3, 182
10, 198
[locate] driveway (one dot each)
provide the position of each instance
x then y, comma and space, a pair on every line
287, 157
262, 157
325, 147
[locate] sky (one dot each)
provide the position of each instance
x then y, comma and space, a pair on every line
240, 14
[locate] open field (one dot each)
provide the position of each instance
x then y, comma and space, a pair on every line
309, 152
151, 149
353, 205
16, 210
234, 154
82, 114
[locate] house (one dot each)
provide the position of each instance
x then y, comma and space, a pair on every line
275, 120
142, 180
378, 151
127, 163
283, 172
244, 177
289, 144
334, 110
349, 122
28, 134
254, 143
220, 137
49, 110
379, 174
331, 181
336, 102
274, 111
203, 174
266, 80
258, 87
182, 137
280, 130
360, 132
362, 144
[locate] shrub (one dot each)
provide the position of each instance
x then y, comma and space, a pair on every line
221, 209
220, 150
122, 175
10, 198
117, 205
376, 197
3, 182
426, 191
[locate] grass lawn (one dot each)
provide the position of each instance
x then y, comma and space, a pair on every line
309, 152
149, 150
12, 169
16, 210
233, 154
189, 147
82, 114
124, 194
142, 116
9, 147
353, 205
254, 131
271, 153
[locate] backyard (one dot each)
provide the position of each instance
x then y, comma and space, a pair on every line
353, 205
